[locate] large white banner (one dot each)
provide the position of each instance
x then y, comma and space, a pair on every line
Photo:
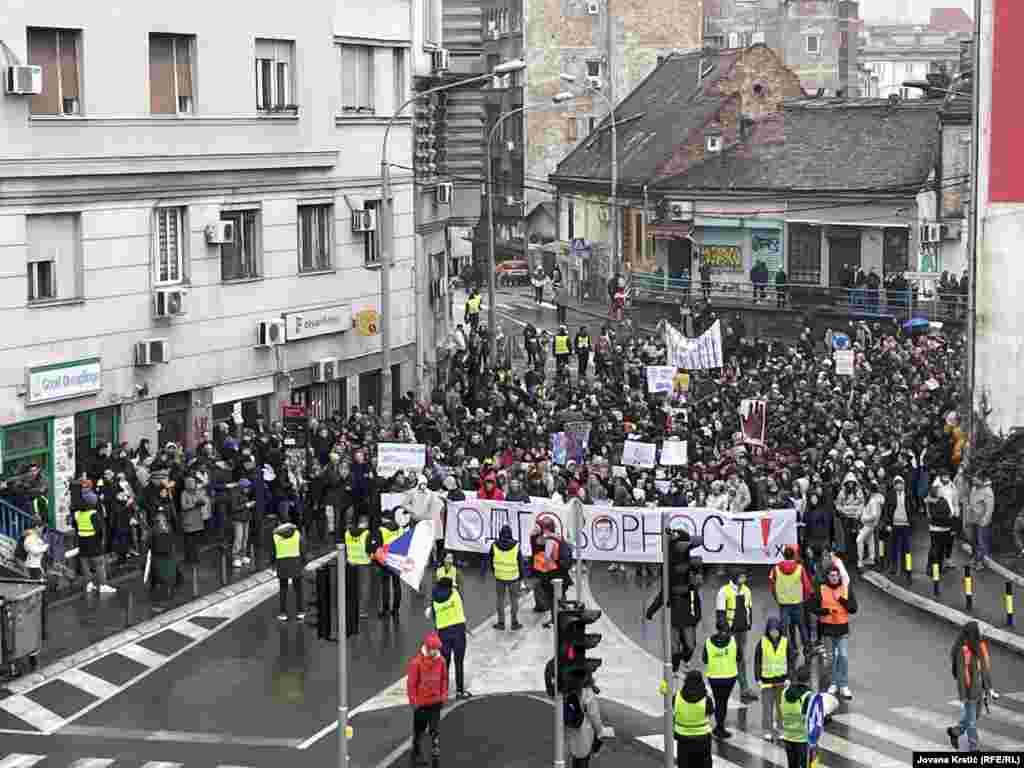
626, 534
694, 354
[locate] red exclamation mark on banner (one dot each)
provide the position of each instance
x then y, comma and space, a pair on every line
766, 529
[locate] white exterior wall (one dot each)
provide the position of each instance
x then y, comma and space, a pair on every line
115, 163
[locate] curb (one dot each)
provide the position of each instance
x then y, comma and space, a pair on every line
146, 628
1004, 572
957, 618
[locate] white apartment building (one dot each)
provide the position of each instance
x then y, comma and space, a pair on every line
185, 179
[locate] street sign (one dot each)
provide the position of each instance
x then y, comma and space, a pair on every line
815, 719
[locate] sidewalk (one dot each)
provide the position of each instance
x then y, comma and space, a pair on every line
76, 620
989, 587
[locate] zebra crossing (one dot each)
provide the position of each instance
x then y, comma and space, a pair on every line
25, 760
49, 706
856, 740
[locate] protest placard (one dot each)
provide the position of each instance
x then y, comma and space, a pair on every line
673, 453
637, 454
753, 421
392, 457
659, 378
844, 362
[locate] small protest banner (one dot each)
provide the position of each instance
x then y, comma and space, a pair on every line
659, 378
392, 457
754, 421
673, 453
844, 362
637, 454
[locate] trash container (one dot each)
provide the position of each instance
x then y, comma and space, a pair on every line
21, 623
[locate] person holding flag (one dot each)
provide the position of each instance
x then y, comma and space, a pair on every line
390, 585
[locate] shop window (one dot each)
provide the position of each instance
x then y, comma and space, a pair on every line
93, 429
370, 390
322, 401
804, 254
172, 417
31, 437
896, 250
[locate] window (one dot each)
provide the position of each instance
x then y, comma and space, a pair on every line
58, 52
170, 74
170, 237
591, 125
398, 67
315, 237
594, 68
54, 243
431, 27
240, 260
356, 78
572, 219
274, 60
813, 44
571, 128
371, 244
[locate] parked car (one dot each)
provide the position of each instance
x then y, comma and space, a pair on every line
512, 272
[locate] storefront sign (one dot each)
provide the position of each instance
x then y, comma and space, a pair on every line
293, 418
63, 469
766, 245
722, 256
367, 322
47, 383
317, 322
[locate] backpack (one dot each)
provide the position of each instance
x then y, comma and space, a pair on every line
565, 556
572, 711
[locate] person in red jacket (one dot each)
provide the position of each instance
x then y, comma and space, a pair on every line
489, 489
427, 688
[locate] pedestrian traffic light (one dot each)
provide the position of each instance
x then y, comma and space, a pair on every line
680, 544
574, 668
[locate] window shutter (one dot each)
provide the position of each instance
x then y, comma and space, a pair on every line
161, 75
68, 64
283, 87
54, 237
42, 51
366, 80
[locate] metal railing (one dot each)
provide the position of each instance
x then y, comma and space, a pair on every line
856, 302
13, 521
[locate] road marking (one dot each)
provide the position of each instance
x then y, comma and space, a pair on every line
857, 753
1001, 714
941, 723
182, 737
657, 741
21, 761
93, 762
91, 684
318, 735
156, 764
191, 629
37, 716
143, 656
761, 748
889, 733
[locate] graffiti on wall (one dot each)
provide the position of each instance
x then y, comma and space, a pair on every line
722, 256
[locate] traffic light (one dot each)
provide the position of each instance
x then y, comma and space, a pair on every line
680, 544
574, 668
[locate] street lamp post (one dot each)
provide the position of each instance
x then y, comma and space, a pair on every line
559, 98
613, 207
387, 231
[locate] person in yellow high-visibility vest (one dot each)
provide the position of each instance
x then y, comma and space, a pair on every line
448, 570
357, 555
771, 670
721, 658
561, 347
735, 605
691, 722
506, 562
793, 712
450, 623
472, 312
289, 557
88, 524
388, 581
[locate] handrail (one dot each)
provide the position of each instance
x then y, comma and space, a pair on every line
13, 521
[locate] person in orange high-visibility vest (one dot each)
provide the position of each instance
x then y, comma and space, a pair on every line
545, 561
834, 604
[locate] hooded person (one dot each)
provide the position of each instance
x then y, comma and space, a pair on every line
869, 522
791, 587
691, 722
506, 561
426, 686
721, 663
450, 622
489, 490
771, 669
289, 558
734, 606
972, 670
793, 705
834, 603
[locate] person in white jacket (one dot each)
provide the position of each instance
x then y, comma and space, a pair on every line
869, 524
583, 741
718, 499
425, 504
739, 494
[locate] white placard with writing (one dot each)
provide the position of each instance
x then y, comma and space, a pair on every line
637, 454
673, 453
392, 457
659, 378
844, 362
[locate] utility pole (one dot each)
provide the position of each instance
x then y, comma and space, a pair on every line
342, 663
666, 644
559, 730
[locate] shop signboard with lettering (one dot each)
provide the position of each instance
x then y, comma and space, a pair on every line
317, 322
62, 381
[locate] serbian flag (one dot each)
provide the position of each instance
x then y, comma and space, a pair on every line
407, 556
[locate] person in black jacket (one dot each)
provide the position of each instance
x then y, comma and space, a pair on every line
940, 526
686, 615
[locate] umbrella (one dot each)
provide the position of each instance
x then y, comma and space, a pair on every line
915, 323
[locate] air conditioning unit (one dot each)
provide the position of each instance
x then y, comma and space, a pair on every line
949, 231
757, 38
595, 83
151, 352
220, 233
713, 144
169, 302
441, 60
443, 193
510, 146
270, 333
679, 210
325, 369
364, 221
593, 8
24, 80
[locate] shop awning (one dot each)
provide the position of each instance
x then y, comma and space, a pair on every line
670, 230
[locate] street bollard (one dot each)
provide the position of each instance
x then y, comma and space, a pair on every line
881, 552
907, 565
936, 578
223, 565
1009, 603
968, 588
195, 580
